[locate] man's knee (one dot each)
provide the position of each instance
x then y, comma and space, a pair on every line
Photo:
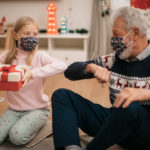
134, 109
58, 92
60, 95
130, 113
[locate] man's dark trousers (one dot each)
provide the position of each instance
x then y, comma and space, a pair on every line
128, 127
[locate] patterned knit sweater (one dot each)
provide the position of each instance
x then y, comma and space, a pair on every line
134, 74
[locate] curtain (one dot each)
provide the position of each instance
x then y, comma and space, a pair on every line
99, 43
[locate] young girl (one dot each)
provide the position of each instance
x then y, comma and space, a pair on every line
29, 107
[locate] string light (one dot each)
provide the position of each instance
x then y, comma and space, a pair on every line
52, 19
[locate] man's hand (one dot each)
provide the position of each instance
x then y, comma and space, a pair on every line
129, 95
27, 76
100, 73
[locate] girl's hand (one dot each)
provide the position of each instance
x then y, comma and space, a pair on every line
129, 95
27, 76
101, 74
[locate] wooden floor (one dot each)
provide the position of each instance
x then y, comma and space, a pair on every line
88, 88
46, 144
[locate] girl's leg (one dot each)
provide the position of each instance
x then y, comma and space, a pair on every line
28, 126
7, 120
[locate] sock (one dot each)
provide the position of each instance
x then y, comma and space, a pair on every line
72, 147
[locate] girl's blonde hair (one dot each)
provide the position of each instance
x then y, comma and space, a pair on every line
21, 22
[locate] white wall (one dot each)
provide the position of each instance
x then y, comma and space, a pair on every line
81, 11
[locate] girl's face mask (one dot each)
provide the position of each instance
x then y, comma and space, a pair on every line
118, 44
28, 43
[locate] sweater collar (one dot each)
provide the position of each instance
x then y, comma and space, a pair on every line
22, 53
144, 53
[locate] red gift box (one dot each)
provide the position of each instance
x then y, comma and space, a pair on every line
10, 77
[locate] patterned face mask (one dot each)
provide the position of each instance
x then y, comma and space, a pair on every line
118, 44
28, 43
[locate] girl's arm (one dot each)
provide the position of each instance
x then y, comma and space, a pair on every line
50, 66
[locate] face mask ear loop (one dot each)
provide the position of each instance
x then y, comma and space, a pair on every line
126, 36
130, 43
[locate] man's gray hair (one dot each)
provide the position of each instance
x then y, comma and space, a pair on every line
133, 18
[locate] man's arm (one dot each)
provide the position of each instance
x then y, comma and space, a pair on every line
89, 69
77, 71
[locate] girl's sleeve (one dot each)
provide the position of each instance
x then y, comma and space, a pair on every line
50, 66
2, 56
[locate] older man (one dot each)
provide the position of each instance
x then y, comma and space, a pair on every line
127, 123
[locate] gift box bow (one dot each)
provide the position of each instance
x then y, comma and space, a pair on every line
11, 73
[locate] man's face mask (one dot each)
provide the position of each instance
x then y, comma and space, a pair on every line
118, 44
28, 43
